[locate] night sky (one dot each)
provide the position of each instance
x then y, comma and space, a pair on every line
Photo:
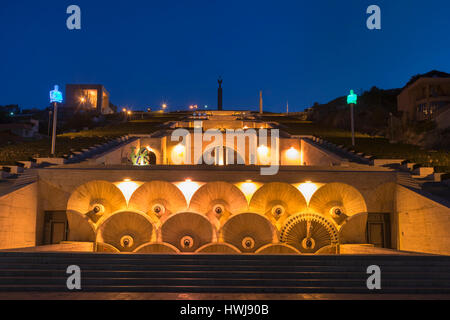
149, 52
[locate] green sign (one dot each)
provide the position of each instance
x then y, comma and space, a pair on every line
352, 98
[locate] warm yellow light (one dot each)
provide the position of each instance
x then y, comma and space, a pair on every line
245, 127
127, 187
292, 154
248, 188
188, 188
129, 112
179, 149
82, 99
263, 150
307, 189
124, 110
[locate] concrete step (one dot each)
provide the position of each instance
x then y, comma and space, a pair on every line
46, 272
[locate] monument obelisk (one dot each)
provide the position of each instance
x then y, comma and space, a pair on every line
260, 103
219, 94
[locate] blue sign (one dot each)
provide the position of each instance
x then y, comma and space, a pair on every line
56, 95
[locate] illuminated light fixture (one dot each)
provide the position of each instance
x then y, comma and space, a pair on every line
124, 110
245, 127
188, 188
248, 188
292, 154
129, 112
56, 95
164, 105
191, 107
307, 189
352, 98
206, 107
263, 150
127, 187
179, 149
82, 99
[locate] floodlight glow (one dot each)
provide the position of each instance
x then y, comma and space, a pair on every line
179, 149
248, 188
307, 189
56, 95
263, 150
352, 98
292, 154
127, 187
188, 188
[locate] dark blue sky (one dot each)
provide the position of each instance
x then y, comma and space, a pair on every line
146, 52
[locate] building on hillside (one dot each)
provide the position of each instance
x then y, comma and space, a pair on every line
426, 97
88, 97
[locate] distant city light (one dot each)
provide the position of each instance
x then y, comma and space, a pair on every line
206, 107
164, 106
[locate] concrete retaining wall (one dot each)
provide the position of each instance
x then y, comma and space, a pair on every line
18, 215
423, 223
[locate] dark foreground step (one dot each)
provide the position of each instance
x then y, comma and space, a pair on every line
226, 289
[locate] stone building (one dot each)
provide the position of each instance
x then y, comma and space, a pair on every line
427, 97
88, 97
154, 194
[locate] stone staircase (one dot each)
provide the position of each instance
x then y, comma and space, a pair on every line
405, 179
46, 272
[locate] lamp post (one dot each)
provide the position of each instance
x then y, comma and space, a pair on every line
351, 100
55, 98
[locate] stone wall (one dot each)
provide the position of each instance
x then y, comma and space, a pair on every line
423, 223
18, 217
116, 156
313, 155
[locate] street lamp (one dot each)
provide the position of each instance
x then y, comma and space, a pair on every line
352, 99
55, 98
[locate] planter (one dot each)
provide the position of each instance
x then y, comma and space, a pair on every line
423, 172
385, 162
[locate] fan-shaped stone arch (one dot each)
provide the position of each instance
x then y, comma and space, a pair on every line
277, 248
158, 199
337, 201
156, 247
218, 247
277, 201
96, 199
126, 230
218, 201
187, 231
81, 228
248, 231
309, 232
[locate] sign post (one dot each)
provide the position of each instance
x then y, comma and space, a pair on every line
55, 98
351, 100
